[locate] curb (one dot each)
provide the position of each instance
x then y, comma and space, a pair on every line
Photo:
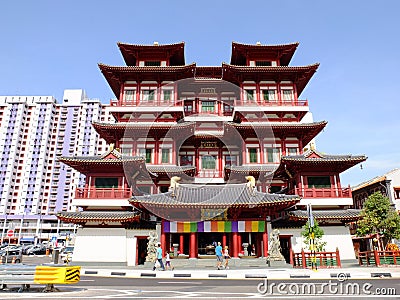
326, 274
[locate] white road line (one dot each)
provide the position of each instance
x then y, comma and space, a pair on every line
179, 282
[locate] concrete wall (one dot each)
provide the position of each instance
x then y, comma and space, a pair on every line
106, 246
335, 236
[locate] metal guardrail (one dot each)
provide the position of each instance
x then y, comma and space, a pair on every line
26, 275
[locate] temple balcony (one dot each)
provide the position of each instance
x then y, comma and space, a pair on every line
102, 196
324, 196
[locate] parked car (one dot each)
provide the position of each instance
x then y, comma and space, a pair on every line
36, 250
25, 248
11, 256
66, 254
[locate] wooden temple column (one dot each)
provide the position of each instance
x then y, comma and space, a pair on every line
181, 242
235, 244
239, 243
193, 245
224, 240
163, 241
265, 242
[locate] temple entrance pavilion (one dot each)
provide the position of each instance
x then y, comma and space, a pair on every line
192, 215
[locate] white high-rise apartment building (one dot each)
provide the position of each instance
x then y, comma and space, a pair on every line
34, 186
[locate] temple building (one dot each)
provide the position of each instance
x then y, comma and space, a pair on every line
201, 154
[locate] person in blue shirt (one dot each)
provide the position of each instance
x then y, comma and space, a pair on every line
159, 257
218, 253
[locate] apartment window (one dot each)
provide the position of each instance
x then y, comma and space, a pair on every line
273, 155
208, 106
319, 182
253, 155
165, 156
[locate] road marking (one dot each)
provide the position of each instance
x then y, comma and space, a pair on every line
179, 282
87, 280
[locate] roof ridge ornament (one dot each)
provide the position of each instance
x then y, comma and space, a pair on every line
251, 184
174, 185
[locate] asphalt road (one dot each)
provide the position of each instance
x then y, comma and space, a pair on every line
178, 288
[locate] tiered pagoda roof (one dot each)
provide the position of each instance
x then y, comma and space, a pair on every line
299, 75
174, 53
304, 131
347, 215
113, 132
82, 217
240, 52
313, 159
214, 196
112, 160
117, 75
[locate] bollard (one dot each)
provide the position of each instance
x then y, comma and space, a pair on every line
56, 254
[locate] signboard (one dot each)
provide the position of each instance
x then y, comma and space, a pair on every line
208, 145
10, 233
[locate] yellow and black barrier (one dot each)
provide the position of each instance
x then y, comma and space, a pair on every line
57, 274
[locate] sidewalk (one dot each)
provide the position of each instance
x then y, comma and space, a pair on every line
243, 273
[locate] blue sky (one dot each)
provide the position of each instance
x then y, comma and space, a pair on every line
49, 46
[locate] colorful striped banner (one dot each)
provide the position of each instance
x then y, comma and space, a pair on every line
214, 226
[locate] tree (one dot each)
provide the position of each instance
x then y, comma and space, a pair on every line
318, 234
377, 217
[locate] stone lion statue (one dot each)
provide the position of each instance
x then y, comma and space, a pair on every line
274, 246
152, 246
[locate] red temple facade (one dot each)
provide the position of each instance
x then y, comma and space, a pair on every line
237, 141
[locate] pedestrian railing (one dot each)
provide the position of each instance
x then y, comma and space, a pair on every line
322, 259
378, 258
48, 275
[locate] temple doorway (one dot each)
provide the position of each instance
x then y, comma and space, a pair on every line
286, 247
207, 242
141, 250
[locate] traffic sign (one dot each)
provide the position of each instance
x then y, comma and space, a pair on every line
10, 233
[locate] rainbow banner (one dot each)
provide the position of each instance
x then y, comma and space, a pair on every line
214, 226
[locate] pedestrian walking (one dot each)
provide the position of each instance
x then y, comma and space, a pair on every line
218, 253
159, 257
226, 257
168, 261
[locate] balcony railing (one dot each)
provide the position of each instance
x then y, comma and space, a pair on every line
209, 173
195, 104
322, 192
103, 193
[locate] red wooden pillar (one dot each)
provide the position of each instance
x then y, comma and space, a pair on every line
163, 241
265, 242
239, 239
224, 240
196, 159
192, 245
181, 243
235, 245
220, 161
